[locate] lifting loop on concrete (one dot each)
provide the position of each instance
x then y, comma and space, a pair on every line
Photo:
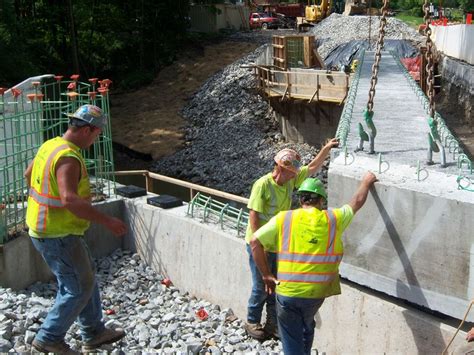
419, 169
465, 183
462, 158
381, 163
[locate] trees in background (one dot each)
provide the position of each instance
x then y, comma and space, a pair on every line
121, 39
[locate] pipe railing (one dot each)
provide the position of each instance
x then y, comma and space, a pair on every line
150, 176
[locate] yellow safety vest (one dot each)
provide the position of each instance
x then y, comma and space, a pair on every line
46, 216
309, 252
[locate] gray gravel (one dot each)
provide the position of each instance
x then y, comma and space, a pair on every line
156, 318
338, 29
232, 135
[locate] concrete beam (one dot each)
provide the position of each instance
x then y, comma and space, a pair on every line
413, 239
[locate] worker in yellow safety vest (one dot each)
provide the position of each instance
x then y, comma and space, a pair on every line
271, 194
58, 214
309, 249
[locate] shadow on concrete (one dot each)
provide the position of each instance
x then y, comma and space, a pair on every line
144, 244
424, 338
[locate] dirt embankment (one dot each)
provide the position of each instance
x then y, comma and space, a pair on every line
148, 120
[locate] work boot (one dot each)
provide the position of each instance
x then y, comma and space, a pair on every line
58, 348
271, 330
255, 330
107, 336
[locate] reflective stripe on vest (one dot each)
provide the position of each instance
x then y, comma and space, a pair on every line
45, 200
332, 225
286, 235
284, 255
309, 258
306, 277
45, 186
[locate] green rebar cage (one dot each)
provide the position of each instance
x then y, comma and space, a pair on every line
33, 112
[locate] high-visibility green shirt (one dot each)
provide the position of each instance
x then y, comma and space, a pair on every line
268, 198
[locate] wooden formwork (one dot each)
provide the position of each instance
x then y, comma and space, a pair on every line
285, 57
303, 84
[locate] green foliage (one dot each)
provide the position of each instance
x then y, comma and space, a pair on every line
107, 38
467, 6
413, 21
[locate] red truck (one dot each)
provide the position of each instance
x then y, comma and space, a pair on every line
263, 20
290, 10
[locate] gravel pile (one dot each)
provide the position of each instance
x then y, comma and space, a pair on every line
338, 29
232, 136
156, 318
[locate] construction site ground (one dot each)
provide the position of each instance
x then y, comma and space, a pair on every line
147, 123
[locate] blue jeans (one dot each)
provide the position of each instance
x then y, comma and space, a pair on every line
296, 323
258, 296
78, 295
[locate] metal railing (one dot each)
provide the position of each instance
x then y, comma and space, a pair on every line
448, 140
204, 198
346, 117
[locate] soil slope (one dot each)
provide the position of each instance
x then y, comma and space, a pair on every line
148, 120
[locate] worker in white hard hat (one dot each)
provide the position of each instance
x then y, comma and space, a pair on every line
271, 194
59, 213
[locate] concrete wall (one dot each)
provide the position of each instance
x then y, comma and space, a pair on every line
307, 123
198, 258
21, 265
207, 262
413, 239
211, 263
455, 41
206, 18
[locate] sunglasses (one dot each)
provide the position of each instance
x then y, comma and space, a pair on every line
295, 163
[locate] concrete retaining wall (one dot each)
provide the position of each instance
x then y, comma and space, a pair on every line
207, 262
210, 263
455, 41
307, 123
21, 265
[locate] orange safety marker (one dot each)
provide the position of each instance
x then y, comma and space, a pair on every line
39, 97
105, 83
2, 91
71, 86
166, 282
58, 78
31, 97
93, 81
72, 95
92, 94
202, 314
75, 77
16, 92
102, 90
35, 83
